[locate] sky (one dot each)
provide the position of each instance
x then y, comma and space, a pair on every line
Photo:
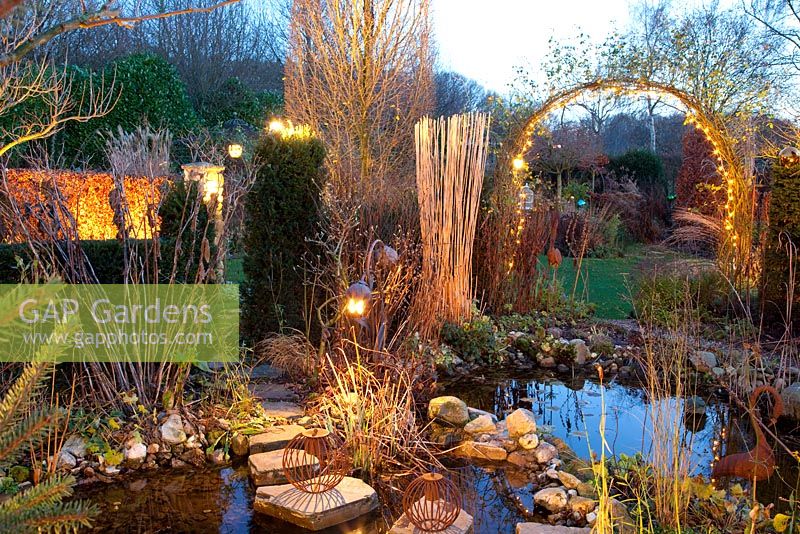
486, 39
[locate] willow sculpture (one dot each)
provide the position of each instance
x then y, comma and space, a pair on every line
451, 158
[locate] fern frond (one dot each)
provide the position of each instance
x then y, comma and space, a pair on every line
21, 394
29, 430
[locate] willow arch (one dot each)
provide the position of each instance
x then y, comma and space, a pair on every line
734, 252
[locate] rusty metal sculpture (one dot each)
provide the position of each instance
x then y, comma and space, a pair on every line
759, 462
314, 461
432, 503
553, 254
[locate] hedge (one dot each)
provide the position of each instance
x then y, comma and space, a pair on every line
784, 222
280, 212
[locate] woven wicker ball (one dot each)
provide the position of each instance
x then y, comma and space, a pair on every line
432, 503
331, 464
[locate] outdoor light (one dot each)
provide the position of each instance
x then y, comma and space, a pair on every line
789, 156
235, 150
526, 197
581, 203
357, 298
276, 126
519, 164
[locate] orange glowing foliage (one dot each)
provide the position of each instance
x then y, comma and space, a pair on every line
87, 198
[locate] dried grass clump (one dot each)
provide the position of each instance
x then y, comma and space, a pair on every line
291, 354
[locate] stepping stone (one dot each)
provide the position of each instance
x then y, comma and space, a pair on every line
283, 410
350, 499
463, 525
274, 438
265, 371
272, 392
266, 468
540, 528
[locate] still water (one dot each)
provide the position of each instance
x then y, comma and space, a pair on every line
220, 500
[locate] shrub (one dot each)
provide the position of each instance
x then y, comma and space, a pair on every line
474, 341
185, 225
784, 226
150, 91
658, 294
645, 167
280, 212
235, 100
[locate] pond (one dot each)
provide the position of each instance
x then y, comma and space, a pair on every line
220, 500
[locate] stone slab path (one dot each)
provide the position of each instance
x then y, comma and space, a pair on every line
276, 437
266, 468
539, 528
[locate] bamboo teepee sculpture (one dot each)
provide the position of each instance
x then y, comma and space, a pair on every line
451, 159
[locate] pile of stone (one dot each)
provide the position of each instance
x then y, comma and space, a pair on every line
560, 496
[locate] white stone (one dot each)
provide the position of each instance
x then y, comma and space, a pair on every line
462, 525
544, 453
582, 352
136, 452
529, 441
482, 424
448, 409
520, 422
551, 499
352, 498
172, 430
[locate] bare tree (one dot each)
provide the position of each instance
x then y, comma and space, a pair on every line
359, 74
455, 93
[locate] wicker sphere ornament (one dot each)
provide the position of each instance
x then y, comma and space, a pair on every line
314, 461
432, 503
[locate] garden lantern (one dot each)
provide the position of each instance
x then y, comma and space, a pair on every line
276, 126
789, 156
518, 164
314, 461
235, 150
526, 197
357, 299
432, 503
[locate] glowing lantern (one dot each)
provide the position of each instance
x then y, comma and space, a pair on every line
518, 164
235, 150
276, 126
357, 299
526, 198
789, 156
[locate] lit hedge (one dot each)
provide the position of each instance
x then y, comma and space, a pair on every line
784, 225
87, 197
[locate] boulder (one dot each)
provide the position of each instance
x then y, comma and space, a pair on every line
482, 451
75, 445
448, 409
551, 499
703, 361
352, 498
172, 430
544, 453
569, 480
520, 422
136, 453
529, 441
520, 459
582, 352
475, 413
482, 424
240, 445
66, 460
582, 505
791, 400
694, 405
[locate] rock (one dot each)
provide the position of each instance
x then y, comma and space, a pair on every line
266, 468
529, 441
551, 499
111, 470
719, 372
582, 352
136, 453
271, 391
562, 368
88, 472
462, 525
352, 498
791, 400
621, 518
218, 457
240, 445
569, 480
520, 459
177, 463
601, 344
196, 457
66, 460
520, 422
703, 361
694, 406
591, 518
586, 489
547, 362
172, 430
273, 438
555, 332
552, 474
582, 505
474, 413
153, 448
445, 436
544, 453
540, 528
450, 410
482, 424
283, 410
482, 451
75, 445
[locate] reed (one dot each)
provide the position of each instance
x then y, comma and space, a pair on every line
451, 159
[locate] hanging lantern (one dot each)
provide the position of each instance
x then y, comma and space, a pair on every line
526, 198
309, 477
235, 150
789, 156
432, 503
